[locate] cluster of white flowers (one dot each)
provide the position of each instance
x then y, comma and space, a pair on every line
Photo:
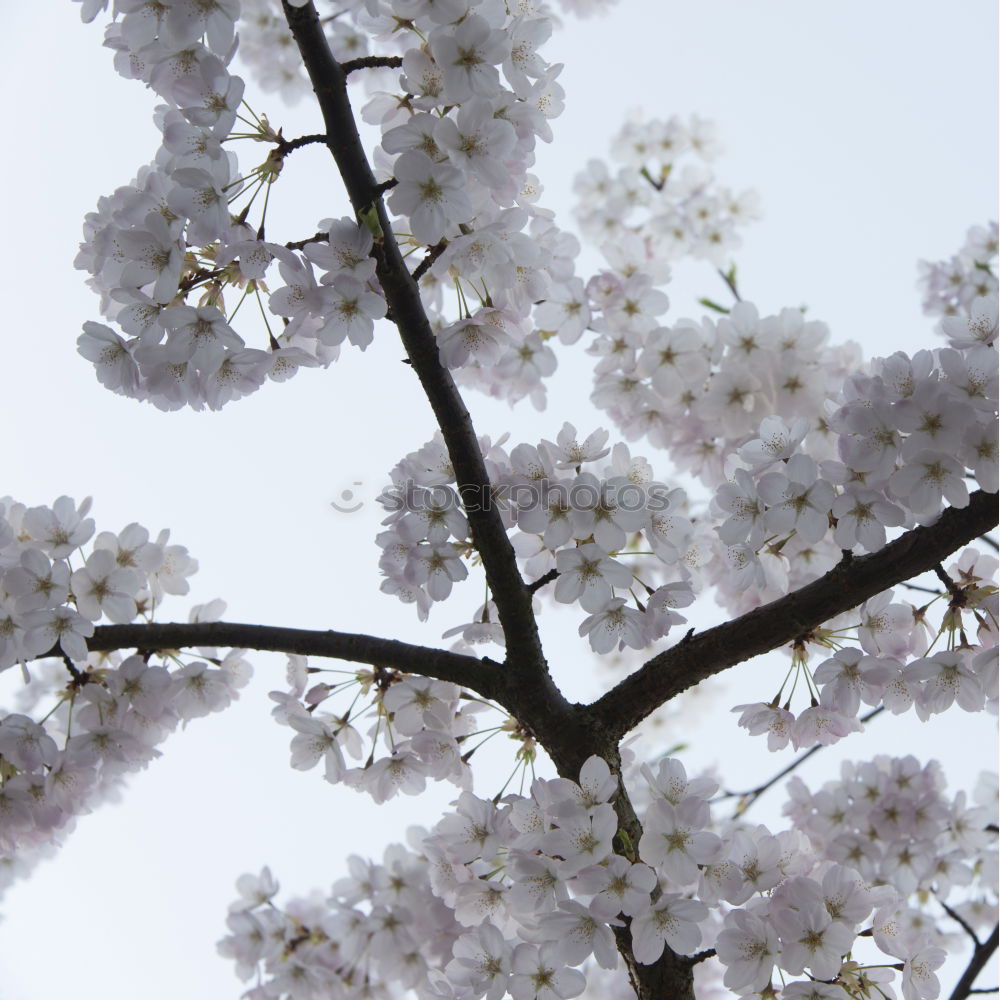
83, 720
421, 722
514, 896
949, 287
457, 144
577, 524
141, 245
807, 452
894, 667
665, 181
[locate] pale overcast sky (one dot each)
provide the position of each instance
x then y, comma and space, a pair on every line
869, 130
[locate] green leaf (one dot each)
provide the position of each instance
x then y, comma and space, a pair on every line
709, 304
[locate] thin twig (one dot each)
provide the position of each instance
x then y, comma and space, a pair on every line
960, 920
730, 283
543, 580
286, 146
922, 590
755, 793
432, 255
980, 956
957, 594
299, 244
700, 956
371, 62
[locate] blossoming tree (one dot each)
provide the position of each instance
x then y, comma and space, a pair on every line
818, 482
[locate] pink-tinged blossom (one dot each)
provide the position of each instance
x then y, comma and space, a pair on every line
416, 702
576, 932
431, 194
202, 195
468, 54
674, 839
482, 900
386, 777
436, 566
947, 678
587, 574
102, 587
582, 839
823, 725
25, 744
927, 480
113, 364
480, 144
862, 517
672, 920
919, 981
481, 961
47, 627
748, 948
35, 582
61, 528
810, 938
598, 784
199, 334
979, 328
671, 781
614, 624
885, 627
351, 309
619, 886
849, 677
740, 499
316, 740
568, 452
759, 718
797, 500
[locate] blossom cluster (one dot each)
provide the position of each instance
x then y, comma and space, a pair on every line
666, 181
516, 895
893, 666
949, 287
84, 720
421, 722
580, 525
456, 147
807, 452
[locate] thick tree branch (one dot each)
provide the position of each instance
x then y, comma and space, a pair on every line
512, 599
846, 586
980, 956
482, 676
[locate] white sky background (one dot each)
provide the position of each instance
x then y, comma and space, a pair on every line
869, 130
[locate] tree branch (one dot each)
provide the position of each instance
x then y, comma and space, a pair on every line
372, 62
286, 146
846, 586
544, 579
482, 676
980, 956
489, 536
957, 917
